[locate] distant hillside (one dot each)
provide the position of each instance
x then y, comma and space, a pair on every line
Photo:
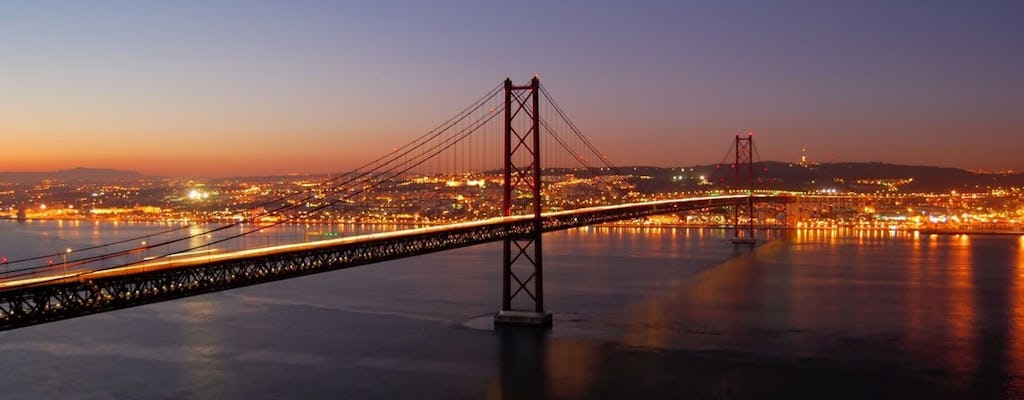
849, 176
90, 175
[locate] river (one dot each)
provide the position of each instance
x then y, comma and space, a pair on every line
639, 313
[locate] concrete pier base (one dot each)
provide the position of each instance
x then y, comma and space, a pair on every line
744, 240
522, 318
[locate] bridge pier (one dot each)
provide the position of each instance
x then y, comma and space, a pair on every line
523, 318
522, 263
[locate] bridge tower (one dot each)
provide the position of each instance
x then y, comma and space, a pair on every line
522, 263
743, 179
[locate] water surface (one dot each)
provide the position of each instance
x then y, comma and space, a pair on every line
639, 312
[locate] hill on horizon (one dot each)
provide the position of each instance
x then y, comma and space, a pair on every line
80, 174
861, 177
843, 176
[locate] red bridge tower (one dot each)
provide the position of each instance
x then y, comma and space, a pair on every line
522, 266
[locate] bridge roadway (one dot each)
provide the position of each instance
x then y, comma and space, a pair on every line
36, 300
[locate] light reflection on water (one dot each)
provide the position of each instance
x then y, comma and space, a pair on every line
1016, 330
962, 316
917, 301
200, 334
902, 301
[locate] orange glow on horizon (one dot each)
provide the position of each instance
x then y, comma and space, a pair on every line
210, 162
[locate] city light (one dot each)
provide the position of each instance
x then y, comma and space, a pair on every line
447, 198
196, 194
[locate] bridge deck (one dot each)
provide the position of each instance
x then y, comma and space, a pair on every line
36, 300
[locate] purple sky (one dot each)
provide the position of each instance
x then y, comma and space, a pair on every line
211, 88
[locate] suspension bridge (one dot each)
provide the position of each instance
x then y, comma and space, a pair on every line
184, 260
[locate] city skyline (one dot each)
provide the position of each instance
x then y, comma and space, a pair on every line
255, 88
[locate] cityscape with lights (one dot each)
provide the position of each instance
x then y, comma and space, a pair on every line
865, 203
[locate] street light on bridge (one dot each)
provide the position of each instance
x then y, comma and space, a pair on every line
66, 252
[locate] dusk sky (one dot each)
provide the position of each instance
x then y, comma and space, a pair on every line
214, 88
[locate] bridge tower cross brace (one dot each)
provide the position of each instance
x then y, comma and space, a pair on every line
522, 262
743, 179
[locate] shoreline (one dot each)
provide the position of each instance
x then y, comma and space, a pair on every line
923, 231
984, 232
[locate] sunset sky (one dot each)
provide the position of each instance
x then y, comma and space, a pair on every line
214, 88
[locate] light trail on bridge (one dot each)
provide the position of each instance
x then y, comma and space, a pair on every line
183, 260
36, 300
